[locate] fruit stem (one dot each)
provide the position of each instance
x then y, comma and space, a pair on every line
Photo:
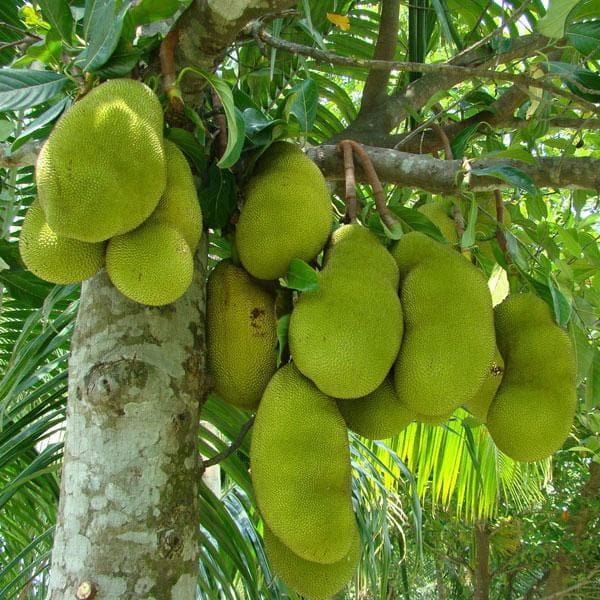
350, 196
388, 218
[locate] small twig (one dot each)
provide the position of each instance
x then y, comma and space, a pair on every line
27, 41
16, 29
387, 216
221, 120
448, 154
167, 66
221, 456
260, 33
350, 196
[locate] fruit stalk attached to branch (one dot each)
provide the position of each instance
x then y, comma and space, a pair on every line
350, 197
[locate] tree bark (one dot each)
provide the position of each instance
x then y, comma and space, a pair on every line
128, 517
482, 561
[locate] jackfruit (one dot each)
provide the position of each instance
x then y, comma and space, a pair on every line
434, 420
241, 335
300, 468
448, 341
55, 258
345, 336
437, 214
479, 405
533, 410
102, 170
315, 581
379, 415
287, 213
151, 265
179, 206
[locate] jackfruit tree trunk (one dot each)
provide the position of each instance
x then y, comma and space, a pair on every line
482, 561
128, 516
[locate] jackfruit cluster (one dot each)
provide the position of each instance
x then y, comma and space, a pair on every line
112, 191
390, 337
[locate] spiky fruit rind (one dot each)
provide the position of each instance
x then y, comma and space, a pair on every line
55, 258
241, 335
150, 265
354, 244
287, 214
102, 170
449, 338
345, 336
533, 410
437, 214
379, 415
300, 467
179, 207
480, 404
315, 581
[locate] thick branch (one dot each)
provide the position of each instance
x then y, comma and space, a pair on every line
376, 83
447, 177
25, 156
207, 29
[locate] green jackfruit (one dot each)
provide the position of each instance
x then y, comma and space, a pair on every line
379, 415
102, 170
448, 341
55, 258
313, 580
479, 405
345, 336
179, 206
241, 335
300, 467
432, 420
151, 265
437, 214
533, 410
287, 213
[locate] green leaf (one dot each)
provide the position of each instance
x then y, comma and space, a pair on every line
58, 15
102, 29
302, 102
302, 277
586, 38
6, 129
218, 197
119, 64
516, 177
418, 221
552, 25
223, 91
562, 306
24, 88
459, 143
468, 238
47, 117
512, 243
148, 11
592, 388
25, 287
283, 326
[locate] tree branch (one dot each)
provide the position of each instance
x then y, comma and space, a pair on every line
207, 29
447, 176
385, 49
221, 456
25, 156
